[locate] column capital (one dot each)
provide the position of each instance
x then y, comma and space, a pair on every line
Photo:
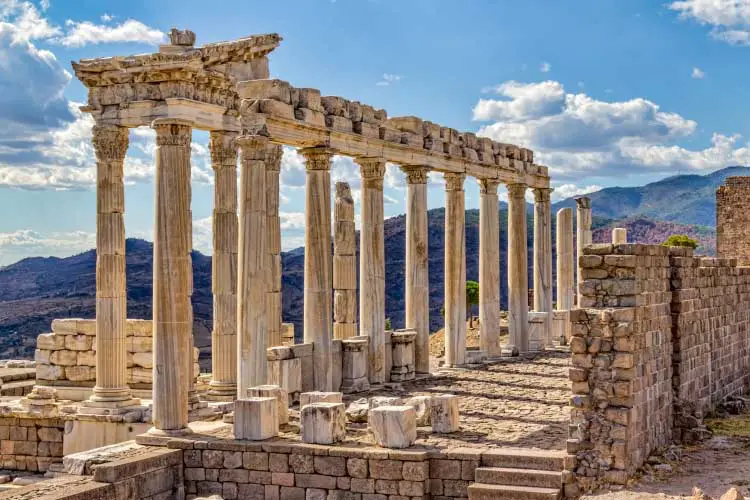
488, 186
252, 147
317, 157
223, 147
583, 202
110, 142
542, 195
172, 131
273, 157
415, 174
516, 190
372, 171
454, 181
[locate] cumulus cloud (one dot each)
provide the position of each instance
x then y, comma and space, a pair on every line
698, 74
83, 33
729, 19
564, 191
576, 134
23, 242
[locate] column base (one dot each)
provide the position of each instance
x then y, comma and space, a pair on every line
221, 391
96, 406
509, 351
185, 431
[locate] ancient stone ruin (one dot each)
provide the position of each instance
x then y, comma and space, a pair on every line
638, 344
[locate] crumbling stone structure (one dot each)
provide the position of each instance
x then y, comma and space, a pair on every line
733, 219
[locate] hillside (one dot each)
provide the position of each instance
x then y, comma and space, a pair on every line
686, 199
34, 291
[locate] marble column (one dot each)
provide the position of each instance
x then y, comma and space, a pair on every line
619, 236
489, 268
583, 234
455, 270
273, 244
518, 271
344, 265
111, 390
372, 266
223, 147
172, 282
565, 260
543, 259
416, 268
252, 260
318, 324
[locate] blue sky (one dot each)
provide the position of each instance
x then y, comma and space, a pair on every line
607, 92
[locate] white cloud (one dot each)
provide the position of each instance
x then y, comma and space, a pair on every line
564, 191
83, 33
23, 242
25, 22
576, 134
729, 19
545, 67
106, 17
388, 79
698, 74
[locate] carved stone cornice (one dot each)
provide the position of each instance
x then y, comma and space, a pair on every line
273, 157
223, 148
415, 174
110, 142
172, 132
542, 195
488, 186
583, 202
517, 190
317, 158
253, 147
454, 181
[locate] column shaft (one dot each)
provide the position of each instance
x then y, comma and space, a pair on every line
583, 235
252, 260
273, 243
489, 268
416, 269
372, 266
318, 283
455, 270
543, 258
518, 272
111, 390
172, 317
565, 282
344, 264
223, 147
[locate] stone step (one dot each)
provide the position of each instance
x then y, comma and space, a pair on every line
501, 492
518, 477
524, 458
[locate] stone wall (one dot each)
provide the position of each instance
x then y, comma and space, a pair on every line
664, 338
733, 219
31, 443
67, 356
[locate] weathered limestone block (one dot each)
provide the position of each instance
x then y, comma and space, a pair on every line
357, 410
140, 344
309, 98
78, 342
265, 89
308, 398
323, 423
421, 405
256, 419
378, 401
402, 344
410, 124
335, 106
41, 356
444, 413
143, 359
86, 358
64, 358
339, 123
354, 365
276, 392
537, 330
619, 236
310, 117
80, 373
50, 341
50, 372
393, 426
286, 373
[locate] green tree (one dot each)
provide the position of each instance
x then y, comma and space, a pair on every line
472, 299
388, 326
681, 240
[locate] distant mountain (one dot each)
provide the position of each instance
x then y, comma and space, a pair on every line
687, 199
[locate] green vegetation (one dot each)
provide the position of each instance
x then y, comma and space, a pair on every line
681, 240
732, 426
472, 299
388, 326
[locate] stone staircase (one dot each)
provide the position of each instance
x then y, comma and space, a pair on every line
518, 474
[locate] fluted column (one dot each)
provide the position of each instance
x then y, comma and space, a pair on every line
455, 270
223, 147
172, 317
252, 260
489, 268
372, 266
273, 244
318, 324
111, 389
344, 264
565, 282
583, 235
518, 272
416, 269
543, 258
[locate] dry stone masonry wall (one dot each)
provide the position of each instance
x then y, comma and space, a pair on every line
733, 219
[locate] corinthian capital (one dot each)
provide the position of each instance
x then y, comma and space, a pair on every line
317, 158
416, 175
542, 195
373, 171
454, 181
517, 190
110, 142
253, 147
172, 132
488, 186
223, 148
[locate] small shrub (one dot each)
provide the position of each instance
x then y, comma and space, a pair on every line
681, 240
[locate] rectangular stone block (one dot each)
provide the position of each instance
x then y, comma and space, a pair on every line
308, 398
256, 419
323, 423
444, 413
276, 392
393, 426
